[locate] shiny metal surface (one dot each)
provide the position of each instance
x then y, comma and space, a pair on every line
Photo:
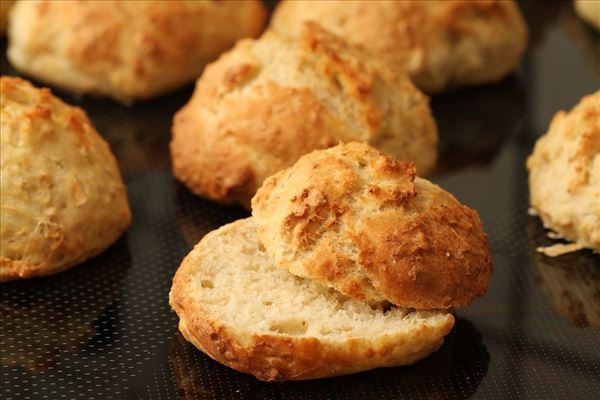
104, 329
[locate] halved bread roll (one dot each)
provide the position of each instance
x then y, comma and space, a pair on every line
236, 306
361, 222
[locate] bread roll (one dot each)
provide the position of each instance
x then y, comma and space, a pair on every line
268, 101
564, 174
443, 44
62, 199
236, 306
128, 50
356, 220
41, 331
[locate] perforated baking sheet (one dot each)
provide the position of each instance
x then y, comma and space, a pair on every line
104, 329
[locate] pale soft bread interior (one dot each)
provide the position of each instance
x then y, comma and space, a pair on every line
251, 293
239, 308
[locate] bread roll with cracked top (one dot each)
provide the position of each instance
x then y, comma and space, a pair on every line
564, 174
443, 44
127, 50
62, 199
359, 221
268, 101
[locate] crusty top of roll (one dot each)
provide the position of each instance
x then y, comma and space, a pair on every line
127, 50
442, 44
62, 199
359, 221
268, 101
564, 173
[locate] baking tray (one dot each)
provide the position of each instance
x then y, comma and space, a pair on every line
104, 329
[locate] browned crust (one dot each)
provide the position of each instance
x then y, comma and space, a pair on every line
359, 221
249, 119
282, 357
129, 50
438, 259
227, 165
275, 359
441, 44
564, 173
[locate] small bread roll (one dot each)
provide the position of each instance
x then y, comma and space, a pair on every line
128, 50
62, 199
356, 220
564, 174
4, 7
443, 44
267, 102
589, 11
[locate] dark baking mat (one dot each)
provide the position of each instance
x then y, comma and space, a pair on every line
104, 329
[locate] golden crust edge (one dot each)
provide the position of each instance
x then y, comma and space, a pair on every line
12, 270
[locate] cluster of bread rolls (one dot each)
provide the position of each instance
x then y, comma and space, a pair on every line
350, 261
62, 197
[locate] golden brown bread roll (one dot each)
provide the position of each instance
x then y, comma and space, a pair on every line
564, 174
62, 199
443, 44
127, 50
356, 220
268, 101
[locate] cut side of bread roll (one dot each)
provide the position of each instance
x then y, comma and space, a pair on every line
236, 306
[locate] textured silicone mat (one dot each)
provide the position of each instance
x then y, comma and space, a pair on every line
104, 329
